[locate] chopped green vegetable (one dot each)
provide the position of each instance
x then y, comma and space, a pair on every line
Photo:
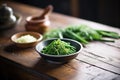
58, 47
83, 34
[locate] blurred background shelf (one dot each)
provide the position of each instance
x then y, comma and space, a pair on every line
102, 11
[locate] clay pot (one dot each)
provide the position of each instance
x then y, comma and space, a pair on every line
39, 23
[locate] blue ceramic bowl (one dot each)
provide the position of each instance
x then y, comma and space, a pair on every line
58, 58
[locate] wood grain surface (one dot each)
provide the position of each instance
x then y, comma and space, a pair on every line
97, 61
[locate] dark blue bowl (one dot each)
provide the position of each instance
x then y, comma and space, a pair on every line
58, 58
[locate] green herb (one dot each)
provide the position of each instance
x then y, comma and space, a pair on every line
72, 35
108, 34
56, 33
83, 34
58, 47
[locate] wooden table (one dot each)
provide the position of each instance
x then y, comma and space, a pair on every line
97, 61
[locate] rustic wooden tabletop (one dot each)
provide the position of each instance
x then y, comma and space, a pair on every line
97, 61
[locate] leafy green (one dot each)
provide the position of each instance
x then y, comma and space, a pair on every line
84, 31
56, 33
83, 34
74, 36
108, 34
58, 47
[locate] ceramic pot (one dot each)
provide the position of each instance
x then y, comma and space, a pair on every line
37, 25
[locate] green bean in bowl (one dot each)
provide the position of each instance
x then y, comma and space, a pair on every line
59, 47
58, 50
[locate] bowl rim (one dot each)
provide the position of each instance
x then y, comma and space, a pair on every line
27, 32
29, 19
77, 52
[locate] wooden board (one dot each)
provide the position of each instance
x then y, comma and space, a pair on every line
97, 61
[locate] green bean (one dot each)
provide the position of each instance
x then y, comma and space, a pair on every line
58, 47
